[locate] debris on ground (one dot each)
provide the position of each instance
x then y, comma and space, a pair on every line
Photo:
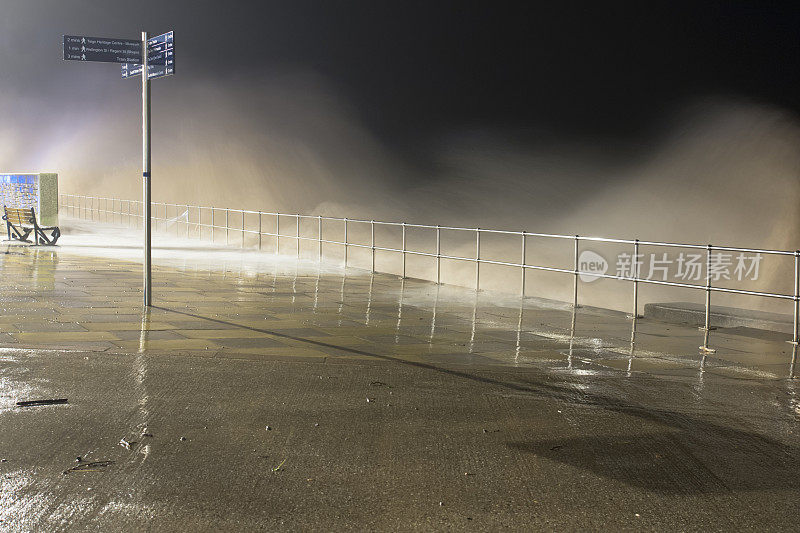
94, 466
279, 466
269, 428
183, 439
78, 459
370, 400
378, 384
126, 443
34, 403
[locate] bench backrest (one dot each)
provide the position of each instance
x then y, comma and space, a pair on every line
20, 217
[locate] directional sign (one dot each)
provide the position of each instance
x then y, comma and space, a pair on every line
160, 49
130, 70
167, 57
160, 56
164, 38
106, 50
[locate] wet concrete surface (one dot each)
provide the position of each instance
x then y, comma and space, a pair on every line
391, 404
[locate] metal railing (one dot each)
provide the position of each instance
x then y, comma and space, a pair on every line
129, 212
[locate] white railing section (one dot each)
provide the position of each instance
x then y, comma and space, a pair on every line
118, 210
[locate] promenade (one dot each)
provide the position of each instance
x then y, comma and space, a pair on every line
267, 392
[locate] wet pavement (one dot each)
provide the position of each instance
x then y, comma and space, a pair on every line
271, 393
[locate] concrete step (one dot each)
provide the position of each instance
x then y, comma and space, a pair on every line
720, 316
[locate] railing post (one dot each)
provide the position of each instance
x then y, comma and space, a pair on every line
242, 228
523, 269
404, 250
438, 254
635, 275
297, 234
212, 225
345, 242
277, 233
187, 220
319, 238
372, 242
707, 327
259, 231
575, 281
477, 259
795, 338
227, 226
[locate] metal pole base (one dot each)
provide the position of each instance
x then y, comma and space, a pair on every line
794, 343
706, 349
710, 328
631, 317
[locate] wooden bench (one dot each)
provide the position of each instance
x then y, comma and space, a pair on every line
20, 223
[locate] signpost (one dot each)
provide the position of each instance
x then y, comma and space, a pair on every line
155, 56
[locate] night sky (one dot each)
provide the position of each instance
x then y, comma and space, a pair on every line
413, 68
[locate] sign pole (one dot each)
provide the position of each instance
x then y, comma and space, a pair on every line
146, 208
135, 57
